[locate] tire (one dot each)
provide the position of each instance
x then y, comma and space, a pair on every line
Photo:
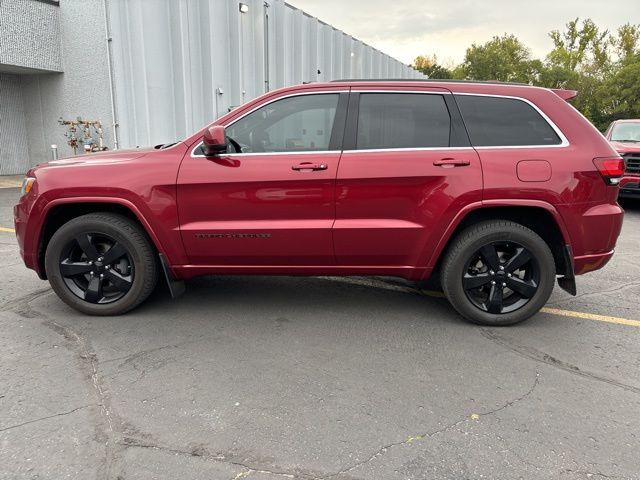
481, 293
93, 277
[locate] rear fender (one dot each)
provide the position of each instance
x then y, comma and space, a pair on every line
462, 214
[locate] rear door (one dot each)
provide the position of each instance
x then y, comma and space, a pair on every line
407, 168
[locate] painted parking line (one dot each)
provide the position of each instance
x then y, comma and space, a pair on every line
11, 181
7, 230
591, 316
565, 313
382, 284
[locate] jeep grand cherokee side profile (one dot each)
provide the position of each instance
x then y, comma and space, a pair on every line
494, 189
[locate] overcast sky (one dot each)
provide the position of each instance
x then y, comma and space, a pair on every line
407, 28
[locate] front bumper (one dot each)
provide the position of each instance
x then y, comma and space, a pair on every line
629, 187
27, 218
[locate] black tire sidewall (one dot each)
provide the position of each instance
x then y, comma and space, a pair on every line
469, 243
136, 246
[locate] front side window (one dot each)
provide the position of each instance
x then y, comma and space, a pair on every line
294, 124
503, 122
402, 120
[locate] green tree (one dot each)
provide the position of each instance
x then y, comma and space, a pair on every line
591, 61
501, 58
620, 94
627, 43
580, 46
604, 68
430, 67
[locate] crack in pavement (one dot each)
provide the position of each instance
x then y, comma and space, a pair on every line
589, 473
89, 358
21, 305
114, 447
134, 356
384, 449
602, 292
62, 414
129, 442
542, 357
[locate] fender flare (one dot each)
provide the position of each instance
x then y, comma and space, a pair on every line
484, 204
107, 200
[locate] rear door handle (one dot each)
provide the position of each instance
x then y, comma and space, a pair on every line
310, 166
450, 162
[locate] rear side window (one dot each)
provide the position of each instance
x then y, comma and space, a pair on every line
402, 120
504, 122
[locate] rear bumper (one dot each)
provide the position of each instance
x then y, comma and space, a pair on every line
594, 231
630, 187
589, 263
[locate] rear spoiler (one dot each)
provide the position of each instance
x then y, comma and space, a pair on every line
565, 94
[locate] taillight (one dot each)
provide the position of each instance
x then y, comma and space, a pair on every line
611, 169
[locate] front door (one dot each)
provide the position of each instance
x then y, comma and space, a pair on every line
269, 201
406, 170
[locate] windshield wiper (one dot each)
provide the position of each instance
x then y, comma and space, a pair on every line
626, 140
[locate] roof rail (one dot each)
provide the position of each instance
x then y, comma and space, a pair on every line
438, 80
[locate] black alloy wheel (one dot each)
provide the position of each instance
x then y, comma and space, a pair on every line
501, 277
101, 263
97, 268
498, 272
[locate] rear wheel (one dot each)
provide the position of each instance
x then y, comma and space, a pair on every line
498, 273
101, 264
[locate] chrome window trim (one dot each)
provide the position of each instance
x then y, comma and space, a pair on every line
423, 92
261, 154
295, 94
564, 142
407, 149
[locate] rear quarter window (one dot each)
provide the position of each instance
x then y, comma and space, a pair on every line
504, 122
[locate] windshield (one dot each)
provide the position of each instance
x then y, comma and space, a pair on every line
626, 132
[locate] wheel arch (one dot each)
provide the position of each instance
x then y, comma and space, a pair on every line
541, 217
57, 213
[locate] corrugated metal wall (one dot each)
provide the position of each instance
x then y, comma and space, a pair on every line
179, 64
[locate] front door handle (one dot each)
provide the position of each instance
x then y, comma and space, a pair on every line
450, 162
310, 166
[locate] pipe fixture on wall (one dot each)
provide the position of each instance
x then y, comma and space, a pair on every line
86, 140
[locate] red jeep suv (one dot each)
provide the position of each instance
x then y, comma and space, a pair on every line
492, 189
624, 136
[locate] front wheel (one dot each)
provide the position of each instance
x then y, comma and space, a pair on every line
498, 273
101, 264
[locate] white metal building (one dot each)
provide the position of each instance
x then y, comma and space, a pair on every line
153, 71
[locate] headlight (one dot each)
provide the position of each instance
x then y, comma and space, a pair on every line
27, 184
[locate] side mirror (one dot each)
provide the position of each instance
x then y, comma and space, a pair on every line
214, 141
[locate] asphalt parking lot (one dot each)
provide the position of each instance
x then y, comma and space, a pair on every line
319, 378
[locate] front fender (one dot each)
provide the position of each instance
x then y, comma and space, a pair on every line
165, 238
